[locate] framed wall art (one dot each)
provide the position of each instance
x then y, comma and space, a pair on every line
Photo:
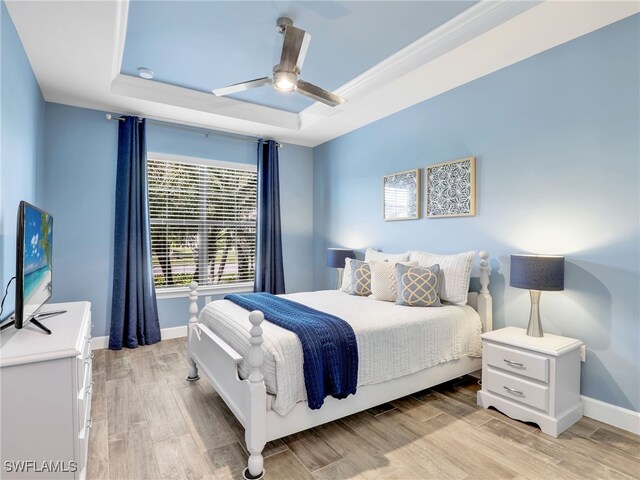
450, 189
401, 195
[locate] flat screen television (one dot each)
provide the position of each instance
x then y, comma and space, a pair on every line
34, 266
33, 263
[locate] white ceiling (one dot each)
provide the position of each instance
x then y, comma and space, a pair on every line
76, 49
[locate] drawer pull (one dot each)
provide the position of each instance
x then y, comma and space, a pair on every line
511, 390
89, 423
511, 363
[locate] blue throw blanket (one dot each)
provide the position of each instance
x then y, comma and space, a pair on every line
329, 347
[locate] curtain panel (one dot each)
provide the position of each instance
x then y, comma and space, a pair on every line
134, 312
269, 267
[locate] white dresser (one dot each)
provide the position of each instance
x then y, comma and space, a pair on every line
533, 379
45, 383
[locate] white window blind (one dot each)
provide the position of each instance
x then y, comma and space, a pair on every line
203, 223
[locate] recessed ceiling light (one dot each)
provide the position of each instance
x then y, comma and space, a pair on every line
145, 73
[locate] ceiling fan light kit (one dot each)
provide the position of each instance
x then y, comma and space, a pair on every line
284, 81
285, 74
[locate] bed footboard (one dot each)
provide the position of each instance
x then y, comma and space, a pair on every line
247, 399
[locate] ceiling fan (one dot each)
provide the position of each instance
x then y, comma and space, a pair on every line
285, 74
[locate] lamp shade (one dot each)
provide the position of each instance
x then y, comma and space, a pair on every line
537, 272
336, 256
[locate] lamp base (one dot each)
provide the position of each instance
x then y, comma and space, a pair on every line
340, 272
535, 327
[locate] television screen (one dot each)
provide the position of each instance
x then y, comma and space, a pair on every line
33, 279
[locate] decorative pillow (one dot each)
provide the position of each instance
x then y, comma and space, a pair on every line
346, 277
384, 285
360, 278
372, 255
418, 286
453, 284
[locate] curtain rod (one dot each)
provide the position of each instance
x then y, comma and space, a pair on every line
188, 128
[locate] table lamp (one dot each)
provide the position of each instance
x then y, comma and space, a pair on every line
336, 258
537, 273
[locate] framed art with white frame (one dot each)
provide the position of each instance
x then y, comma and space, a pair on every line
401, 195
450, 189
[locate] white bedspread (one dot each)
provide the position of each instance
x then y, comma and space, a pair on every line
393, 340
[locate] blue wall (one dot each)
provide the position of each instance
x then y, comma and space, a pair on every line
557, 144
80, 174
21, 144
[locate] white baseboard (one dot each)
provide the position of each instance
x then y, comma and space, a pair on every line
611, 414
165, 333
98, 343
173, 332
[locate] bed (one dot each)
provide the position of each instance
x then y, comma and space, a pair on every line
256, 367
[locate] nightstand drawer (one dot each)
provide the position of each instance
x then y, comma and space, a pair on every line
516, 389
517, 361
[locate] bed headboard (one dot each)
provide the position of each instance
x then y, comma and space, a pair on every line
481, 301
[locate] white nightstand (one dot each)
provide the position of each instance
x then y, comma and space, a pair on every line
533, 379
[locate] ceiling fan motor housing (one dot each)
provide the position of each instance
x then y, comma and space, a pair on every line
282, 23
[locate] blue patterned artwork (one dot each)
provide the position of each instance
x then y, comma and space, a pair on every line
450, 189
402, 195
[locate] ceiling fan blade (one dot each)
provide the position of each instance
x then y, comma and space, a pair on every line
241, 87
312, 91
294, 49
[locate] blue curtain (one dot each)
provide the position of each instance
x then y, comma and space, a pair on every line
134, 313
269, 269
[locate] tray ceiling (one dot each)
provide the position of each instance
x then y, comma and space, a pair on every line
382, 59
206, 45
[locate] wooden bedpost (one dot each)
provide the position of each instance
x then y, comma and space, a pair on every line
256, 425
485, 302
192, 376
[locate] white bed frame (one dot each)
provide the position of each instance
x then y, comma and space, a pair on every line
247, 398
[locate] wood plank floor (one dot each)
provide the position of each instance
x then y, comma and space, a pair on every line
150, 423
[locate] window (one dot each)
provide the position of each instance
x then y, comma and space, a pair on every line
203, 223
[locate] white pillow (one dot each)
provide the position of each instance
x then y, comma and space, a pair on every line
455, 273
372, 255
384, 283
346, 277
